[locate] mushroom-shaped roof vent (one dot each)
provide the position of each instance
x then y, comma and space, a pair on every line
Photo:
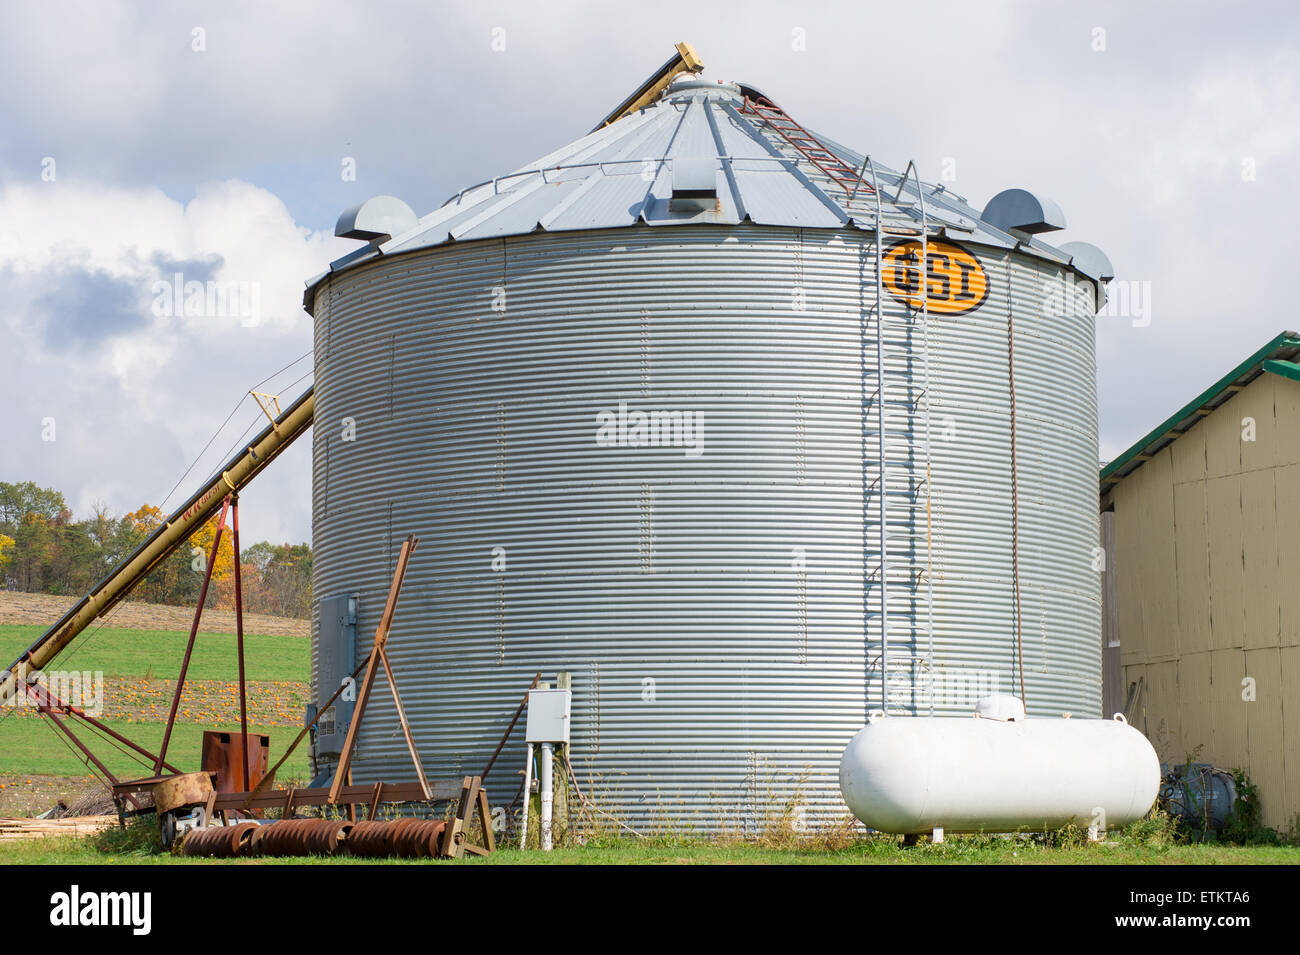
376, 218
1089, 260
1020, 209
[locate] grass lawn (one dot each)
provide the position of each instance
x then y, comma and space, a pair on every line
983, 850
141, 664
157, 654
28, 745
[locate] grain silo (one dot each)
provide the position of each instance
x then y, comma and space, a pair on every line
670, 412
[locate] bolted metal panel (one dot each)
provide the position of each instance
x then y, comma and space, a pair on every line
712, 596
336, 659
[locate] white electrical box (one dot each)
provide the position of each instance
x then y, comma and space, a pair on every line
548, 716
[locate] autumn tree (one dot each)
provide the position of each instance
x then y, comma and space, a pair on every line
43, 549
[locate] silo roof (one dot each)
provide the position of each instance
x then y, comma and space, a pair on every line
767, 170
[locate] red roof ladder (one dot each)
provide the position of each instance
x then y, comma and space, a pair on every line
809, 146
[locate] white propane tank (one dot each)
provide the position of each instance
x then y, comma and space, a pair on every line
997, 772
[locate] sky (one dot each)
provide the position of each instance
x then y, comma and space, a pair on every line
221, 140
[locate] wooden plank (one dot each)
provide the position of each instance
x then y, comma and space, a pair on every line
1228, 614
393, 792
452, 836
363, 697
345, 757
1261, 597
1288, 551
394, 590
267, 780
1187, 455
1155, 559
1286, 439
1289, 752
1192, 568
1256, 402
1227, 745
405, 724
1128, 608
1265, 757
1195, 709
66, 826
1159, 714
485, 820
1223, 438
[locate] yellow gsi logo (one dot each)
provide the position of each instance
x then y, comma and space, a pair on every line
955, 281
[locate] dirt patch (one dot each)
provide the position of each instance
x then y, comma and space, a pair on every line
45, 609
22, 796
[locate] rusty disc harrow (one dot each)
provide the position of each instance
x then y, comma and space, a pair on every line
407, 838
219, 841
298, 837
404, 838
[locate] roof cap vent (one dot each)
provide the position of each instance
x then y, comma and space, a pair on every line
379, 218
1089, 260
695, 183
1023, 211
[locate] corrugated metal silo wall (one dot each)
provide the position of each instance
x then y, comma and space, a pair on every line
709, 606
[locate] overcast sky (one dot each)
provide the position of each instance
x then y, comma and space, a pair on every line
210, 139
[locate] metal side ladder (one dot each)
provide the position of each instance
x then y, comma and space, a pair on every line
897, 500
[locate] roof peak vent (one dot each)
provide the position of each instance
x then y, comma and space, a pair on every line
1023, 211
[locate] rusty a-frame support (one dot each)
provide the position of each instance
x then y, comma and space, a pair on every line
378, 657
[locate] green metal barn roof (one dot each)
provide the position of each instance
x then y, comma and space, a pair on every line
1277, 357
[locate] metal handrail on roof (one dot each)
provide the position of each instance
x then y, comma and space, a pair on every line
785, 162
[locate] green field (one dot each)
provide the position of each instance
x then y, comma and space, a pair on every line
29, 746
158, 653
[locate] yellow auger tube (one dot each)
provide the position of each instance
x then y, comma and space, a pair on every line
236, 473
685, 60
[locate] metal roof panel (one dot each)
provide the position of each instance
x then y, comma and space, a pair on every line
771, 171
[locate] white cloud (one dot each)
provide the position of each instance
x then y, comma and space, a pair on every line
136, 394
1141, 145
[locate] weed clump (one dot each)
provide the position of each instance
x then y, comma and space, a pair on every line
140, 838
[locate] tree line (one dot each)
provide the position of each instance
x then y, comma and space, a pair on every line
45, 549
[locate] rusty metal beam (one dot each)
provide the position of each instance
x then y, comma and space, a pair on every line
511, 728
269, 778
69, 710
194, 630
239, 640
401, 718
367, 684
